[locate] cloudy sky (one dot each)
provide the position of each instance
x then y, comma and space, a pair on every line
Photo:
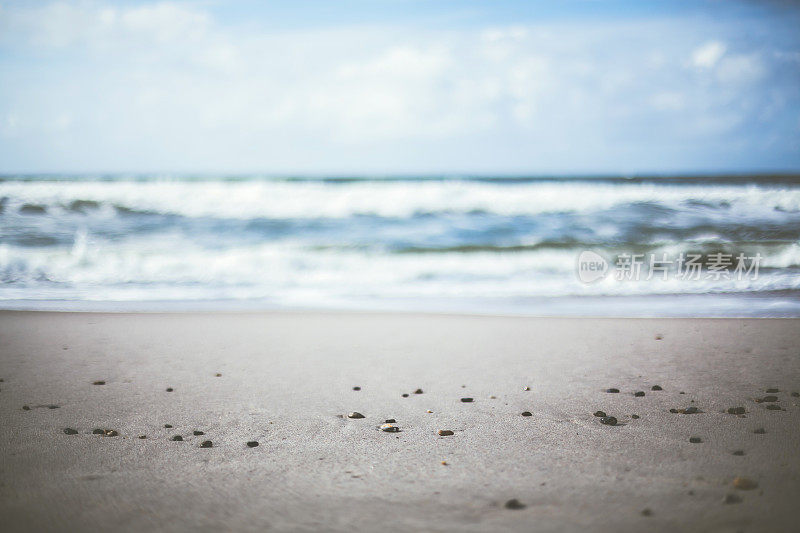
399, 86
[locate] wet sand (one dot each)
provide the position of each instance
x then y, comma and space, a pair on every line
286, 381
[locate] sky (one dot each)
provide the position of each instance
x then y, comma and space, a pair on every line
396, 87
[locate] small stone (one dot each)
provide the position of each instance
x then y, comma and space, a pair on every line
769, 399
356, 388
772, 391
639, 394
743, 483
526, 413
635, 417
681, 392
168, 426
600, 414
514, 504
110, 433
673, 410
736, 410
526, 388
53, 406
773, 407
404, 395
608, 421
759, 431
390, 421
26, 408
492, 397
98, 432
659, 337
170, 389
444, 463
695, 440
647, 512
177, 438
656, 387
732, 498
198, 433
70, 431
355, 414
252, 444
142, 436
690, 410
206, 444
445, 433
418, 391
429, 411
389, 428
796, 394
466, 400
738, 452
612, 390
218, 375
98, 383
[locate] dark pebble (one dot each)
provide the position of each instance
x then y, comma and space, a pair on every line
252, 444
98, 432
177, 438
690, 410
418, 391
635, 417
738, 452
390, 421
609, 421
736, 410
773, 407
170, 389
526, 413
198, 433
53, 406
695, 440
99, 383
111, 433
70, 431
612, 390
732, 498
759, 431
772, 391
356, 388
389, 428
466, 400
168, 426
681, 392
355, 414
647, 512
796, 394
218, 375
639, 394
26, 408
656, 387
404, 395
673, 410
514, 504
142, 436
599, 413
445, 433
206, 444
769, 399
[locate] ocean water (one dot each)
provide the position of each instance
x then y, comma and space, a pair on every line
432, 244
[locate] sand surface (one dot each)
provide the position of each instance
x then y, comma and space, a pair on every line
286, 379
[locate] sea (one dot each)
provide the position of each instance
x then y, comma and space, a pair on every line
573, 246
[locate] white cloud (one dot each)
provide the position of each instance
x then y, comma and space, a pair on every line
707, 55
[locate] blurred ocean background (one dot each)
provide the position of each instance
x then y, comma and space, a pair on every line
484, 245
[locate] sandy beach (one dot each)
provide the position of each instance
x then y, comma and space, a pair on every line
286, 381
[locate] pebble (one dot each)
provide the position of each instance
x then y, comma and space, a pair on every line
168, 426
599, 413
105, 432
218, 375
404, 395
796, 394
736, 410
659, 337
389, 428
635, 417
695, 440
738, 452
609, 421
743, 483
429, 411
690, 410
656, 387
732, 498
390, 421
526, 413
99, 383
142, 436
98, 432
418, 391
759, 431
170, 389
647, 512
355, 414
612, 390
356, 388
252, 444
639, 394
53, 406
177, 438
514, 504
198, 433
206, 444
773, 407
527, 388
673, 410
26, 408
445, 433
70, 431
466, 400
769, 399
772, 391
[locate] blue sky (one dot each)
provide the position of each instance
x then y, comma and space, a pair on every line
400, 87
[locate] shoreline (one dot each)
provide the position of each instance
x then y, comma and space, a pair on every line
287, 382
